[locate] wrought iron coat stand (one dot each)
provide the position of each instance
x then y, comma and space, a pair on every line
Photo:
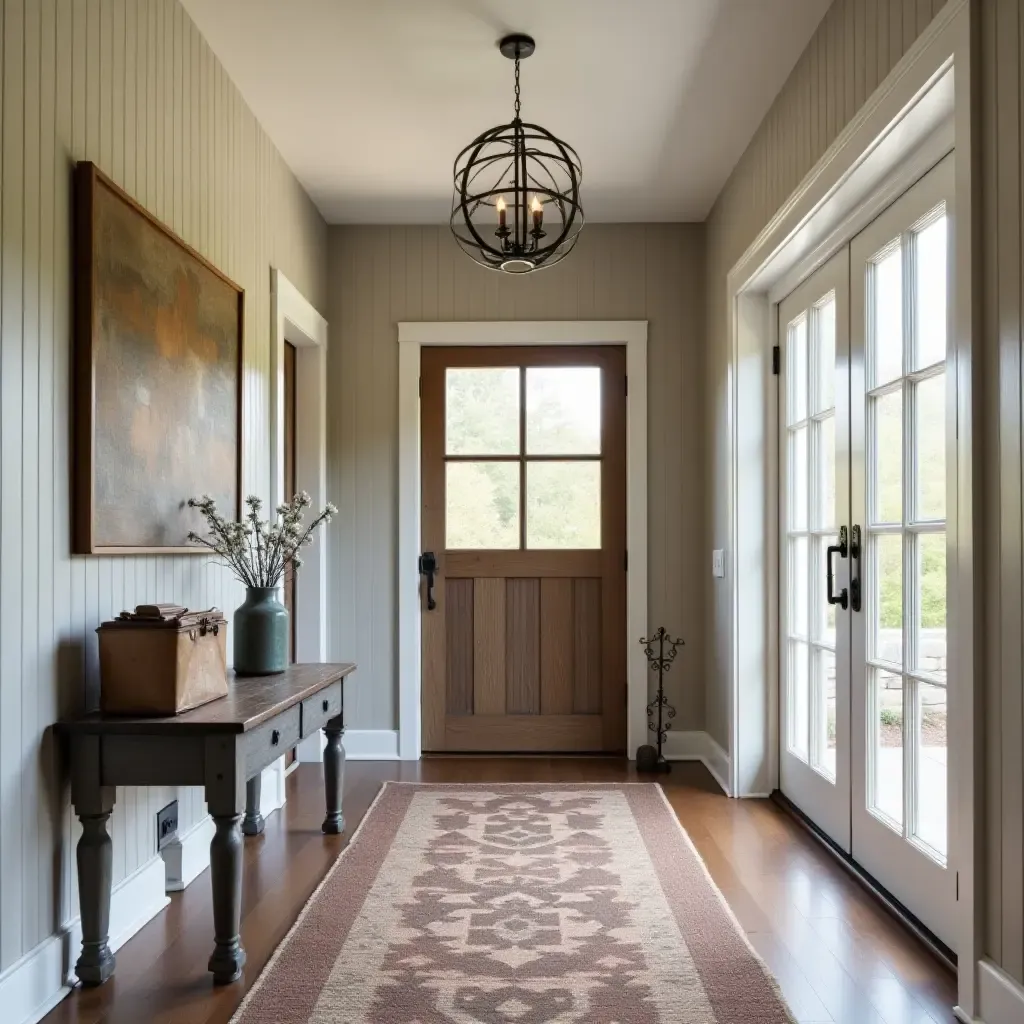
659, 712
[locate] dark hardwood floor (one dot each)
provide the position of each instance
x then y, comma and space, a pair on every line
837, 954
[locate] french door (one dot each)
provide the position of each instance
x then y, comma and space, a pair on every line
865, 431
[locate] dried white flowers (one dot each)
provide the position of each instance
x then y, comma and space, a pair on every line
259, 552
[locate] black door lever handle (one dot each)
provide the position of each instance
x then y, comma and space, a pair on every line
841, 549
428, 566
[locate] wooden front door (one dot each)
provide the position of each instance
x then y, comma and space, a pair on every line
524, 508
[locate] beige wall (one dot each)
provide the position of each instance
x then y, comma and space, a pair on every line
131, 85
381, 275
858, 42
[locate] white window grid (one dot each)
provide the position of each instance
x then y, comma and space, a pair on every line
808, 415
910, 529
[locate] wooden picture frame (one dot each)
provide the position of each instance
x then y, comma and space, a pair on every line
157, 378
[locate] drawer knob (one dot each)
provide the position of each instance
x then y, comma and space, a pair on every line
275, 736
327, 704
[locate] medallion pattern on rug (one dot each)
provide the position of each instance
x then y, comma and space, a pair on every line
527, 909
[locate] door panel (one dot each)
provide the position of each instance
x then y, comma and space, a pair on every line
900, 270
524, 505
813, 445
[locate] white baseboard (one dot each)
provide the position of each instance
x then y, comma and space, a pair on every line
34, 985
30, 988
311, 749
1000, 997
188, 856
272, 792
133, 903
360, 745
371, 744
699, 746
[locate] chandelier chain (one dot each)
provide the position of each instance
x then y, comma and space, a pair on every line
517, 89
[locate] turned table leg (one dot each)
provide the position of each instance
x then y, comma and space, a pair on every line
253, 823
334, 776
93, 804
228, 957
226, 797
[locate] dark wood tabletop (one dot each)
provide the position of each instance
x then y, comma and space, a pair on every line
251, 701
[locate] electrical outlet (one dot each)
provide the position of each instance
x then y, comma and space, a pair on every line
166, 824
718, 563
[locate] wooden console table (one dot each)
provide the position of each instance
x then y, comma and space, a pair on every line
222, 746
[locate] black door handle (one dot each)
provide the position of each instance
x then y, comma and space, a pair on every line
839, 549
855, 568
428, 566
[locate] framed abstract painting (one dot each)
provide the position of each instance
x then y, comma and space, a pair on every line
157, 378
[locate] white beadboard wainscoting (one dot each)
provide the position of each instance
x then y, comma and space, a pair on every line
132, 86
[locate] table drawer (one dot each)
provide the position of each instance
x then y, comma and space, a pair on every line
265, 744
316, 710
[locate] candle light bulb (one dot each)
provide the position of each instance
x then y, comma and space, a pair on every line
500, 204
537, 208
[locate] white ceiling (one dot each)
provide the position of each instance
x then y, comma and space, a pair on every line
369, 101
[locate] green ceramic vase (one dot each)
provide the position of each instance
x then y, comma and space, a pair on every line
261, 633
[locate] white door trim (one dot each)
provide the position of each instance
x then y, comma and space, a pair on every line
294, 319
916, 115
412, 337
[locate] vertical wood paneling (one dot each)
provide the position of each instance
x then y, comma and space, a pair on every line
458, 619
522, 646
556, 643
131, 85
489, 646
587, 646
380, 275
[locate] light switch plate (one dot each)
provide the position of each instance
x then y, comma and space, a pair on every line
718, 563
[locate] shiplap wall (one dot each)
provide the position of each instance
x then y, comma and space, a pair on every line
131, 85
381, 275
857, 44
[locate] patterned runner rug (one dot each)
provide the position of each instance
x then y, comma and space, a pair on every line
516, 904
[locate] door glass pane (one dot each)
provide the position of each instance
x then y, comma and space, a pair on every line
563, 504
825, 319
931, 584
798, 472
482, 411
825, 499
931, 769
796, 369
930, 440
887, 745
887, 458
799, 717
823, 614
482, 505
798, 596
563, 410
823, 749
930, 294
887, 318
887, 612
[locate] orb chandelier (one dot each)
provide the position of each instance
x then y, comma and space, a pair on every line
517, 206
